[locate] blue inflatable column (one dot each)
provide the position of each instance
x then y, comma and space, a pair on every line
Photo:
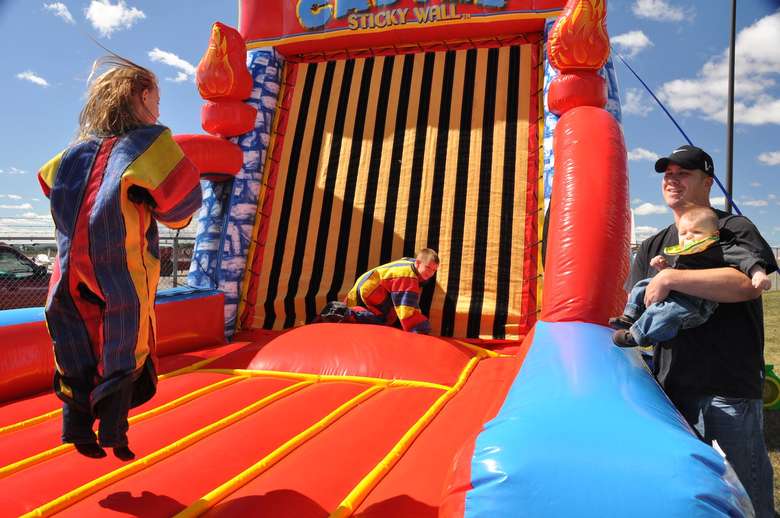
228, 214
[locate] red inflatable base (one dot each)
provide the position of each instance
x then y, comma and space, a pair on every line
366, 415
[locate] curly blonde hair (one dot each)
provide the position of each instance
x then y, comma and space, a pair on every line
112, 97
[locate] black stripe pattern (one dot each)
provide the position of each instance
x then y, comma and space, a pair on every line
418, 150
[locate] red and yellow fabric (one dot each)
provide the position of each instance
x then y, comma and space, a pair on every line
106, 196
390, 292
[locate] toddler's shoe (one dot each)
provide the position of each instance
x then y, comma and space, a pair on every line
623, 338
621, 322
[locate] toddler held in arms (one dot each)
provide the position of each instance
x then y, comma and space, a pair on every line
699, 247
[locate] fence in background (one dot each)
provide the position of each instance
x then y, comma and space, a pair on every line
26, 263
25, 267
775, 277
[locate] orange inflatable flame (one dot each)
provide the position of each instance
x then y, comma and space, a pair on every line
216, 78
222, 72
579, 38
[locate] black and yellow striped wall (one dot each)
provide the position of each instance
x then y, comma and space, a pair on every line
380, 156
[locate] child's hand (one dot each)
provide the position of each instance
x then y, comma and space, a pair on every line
659, 262
761, 280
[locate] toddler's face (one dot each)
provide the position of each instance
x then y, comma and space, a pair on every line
690, 231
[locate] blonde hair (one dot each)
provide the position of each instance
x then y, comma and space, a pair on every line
702, 217
428, 255
110, 109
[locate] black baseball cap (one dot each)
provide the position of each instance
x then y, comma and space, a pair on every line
688, 157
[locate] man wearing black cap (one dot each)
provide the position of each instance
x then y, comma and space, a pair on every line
713, 373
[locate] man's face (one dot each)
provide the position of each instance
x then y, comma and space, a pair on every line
425, 269
682, 187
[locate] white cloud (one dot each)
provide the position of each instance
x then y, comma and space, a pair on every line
635, 103
11, 196
106, 17
27, 224
21, 206
756, 184
12, 171
757, 66
770, 158
718, 201
772, 196
643, 232
631, 43
659, 10
29, 75
648, 208
37, 217
60, 10
756, 203
641, 153
186, 71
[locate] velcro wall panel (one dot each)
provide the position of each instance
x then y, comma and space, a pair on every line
380, 156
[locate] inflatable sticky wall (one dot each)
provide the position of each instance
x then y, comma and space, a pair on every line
340, 135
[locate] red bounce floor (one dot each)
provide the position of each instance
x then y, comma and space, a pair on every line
322, 420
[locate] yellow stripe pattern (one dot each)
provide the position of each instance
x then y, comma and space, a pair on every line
348, 505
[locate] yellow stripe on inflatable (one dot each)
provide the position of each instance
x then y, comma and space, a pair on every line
369, 482
540, 183
30, 422
330, 378
189, 368
74, 496
54, 413
64, 448
210, 499
482, 352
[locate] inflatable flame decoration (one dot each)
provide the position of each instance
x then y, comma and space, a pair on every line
579, 38
222, 71
217, 76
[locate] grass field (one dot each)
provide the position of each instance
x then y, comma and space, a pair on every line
772, 355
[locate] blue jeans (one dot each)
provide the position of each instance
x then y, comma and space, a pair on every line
663, 320
738, 426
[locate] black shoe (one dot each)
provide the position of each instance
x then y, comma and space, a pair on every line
621, 322
624, 338
123, 453
91, 450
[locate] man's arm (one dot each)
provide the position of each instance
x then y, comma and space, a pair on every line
716, 284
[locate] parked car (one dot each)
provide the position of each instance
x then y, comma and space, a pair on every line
183, 258
23, 283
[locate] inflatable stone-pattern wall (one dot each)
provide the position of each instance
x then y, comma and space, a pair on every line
588, 238
240, 90
209, 234
551, 119
265, 66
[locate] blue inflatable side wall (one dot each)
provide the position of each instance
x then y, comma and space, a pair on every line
586, 431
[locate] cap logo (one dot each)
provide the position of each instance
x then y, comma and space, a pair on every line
678, 150
707, 166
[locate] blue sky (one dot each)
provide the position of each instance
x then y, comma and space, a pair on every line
677, 46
